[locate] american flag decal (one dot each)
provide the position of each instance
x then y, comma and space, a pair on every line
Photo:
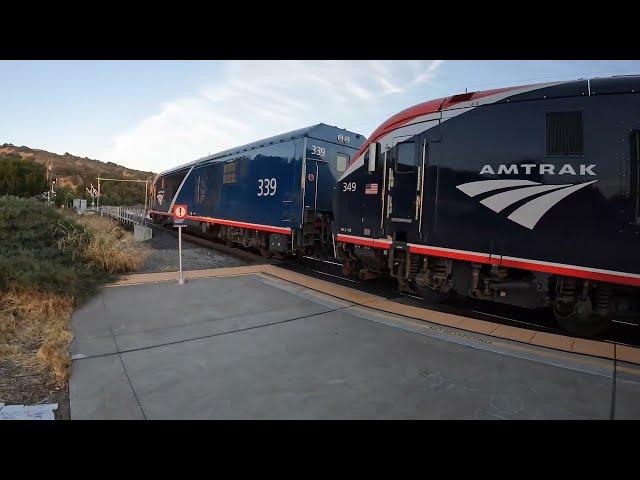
371, 189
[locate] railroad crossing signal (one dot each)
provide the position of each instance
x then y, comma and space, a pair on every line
180, 211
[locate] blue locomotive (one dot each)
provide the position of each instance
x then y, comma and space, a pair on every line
524, 195
273, 195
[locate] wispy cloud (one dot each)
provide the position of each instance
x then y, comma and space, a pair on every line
253, 100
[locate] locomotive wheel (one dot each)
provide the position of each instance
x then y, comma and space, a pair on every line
580, 325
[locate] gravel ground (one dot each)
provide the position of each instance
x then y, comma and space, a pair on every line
164, 255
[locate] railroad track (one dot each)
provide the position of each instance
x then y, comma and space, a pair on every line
621, 333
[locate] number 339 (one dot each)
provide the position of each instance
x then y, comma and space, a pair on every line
267, 187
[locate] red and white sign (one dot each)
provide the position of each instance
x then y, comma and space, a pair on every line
311, 177
180, 211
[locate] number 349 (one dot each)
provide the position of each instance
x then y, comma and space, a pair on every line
349, 187
267, 187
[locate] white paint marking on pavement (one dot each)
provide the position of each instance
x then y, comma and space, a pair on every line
28, 412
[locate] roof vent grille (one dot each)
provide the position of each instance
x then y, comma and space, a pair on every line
565, 133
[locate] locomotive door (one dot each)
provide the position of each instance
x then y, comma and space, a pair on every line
402, 216
312, 171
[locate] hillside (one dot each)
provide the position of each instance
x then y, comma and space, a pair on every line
72, 170
75, 173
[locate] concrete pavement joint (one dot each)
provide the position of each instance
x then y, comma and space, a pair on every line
135, 395
209, 336
158, 329
133, 390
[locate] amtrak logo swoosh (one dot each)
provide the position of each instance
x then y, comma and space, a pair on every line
530, 213
160, 197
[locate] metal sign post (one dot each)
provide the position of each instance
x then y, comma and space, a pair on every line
181, 277
179, 212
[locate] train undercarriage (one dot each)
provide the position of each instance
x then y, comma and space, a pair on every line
313, 239
581, 307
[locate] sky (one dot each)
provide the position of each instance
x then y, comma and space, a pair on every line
153, 115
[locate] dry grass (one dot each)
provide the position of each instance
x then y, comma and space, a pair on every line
35, 311
108, 246
34, 331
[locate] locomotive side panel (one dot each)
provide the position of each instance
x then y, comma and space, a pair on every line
273, 195
255, 187
535, 203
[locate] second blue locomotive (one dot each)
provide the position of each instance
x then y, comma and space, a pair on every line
274, 195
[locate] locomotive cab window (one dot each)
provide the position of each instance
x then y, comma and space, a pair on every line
341, 162
565, 134
230, 173
405, 157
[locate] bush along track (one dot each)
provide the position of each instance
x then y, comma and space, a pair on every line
50, 262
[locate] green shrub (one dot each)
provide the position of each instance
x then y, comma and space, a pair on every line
21, 176
30, 257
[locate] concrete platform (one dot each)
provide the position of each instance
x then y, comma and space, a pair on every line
255, 346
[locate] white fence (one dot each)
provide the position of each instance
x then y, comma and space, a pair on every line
126, 215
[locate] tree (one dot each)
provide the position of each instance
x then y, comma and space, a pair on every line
21, 177
64, 196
